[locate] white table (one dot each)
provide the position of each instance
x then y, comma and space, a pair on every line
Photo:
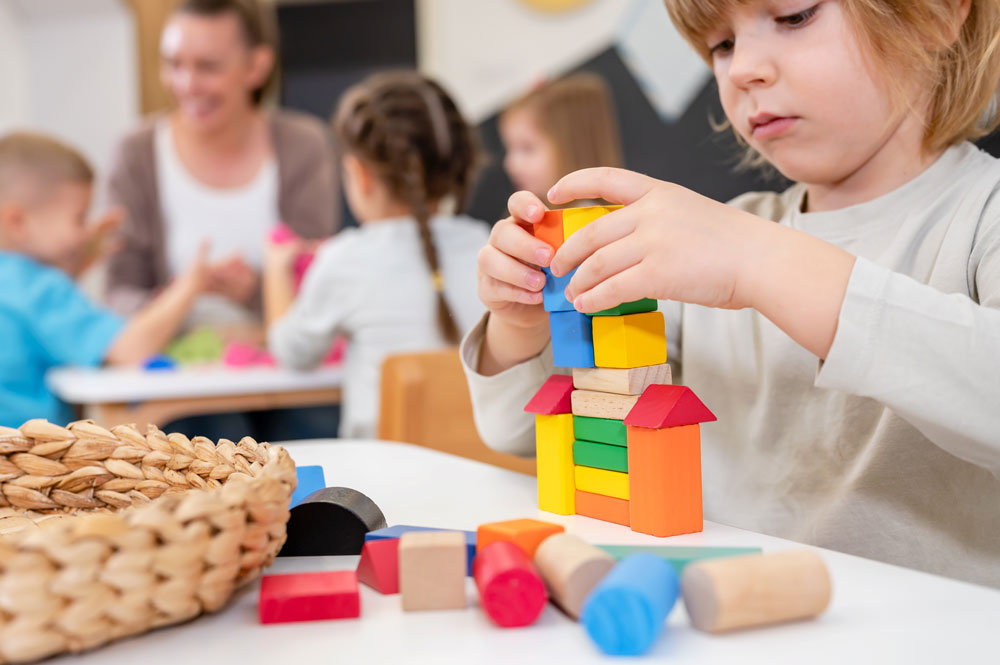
879, 613
126, 395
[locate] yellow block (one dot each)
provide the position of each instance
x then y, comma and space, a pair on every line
632, 340
602, 481
554, 460
575, 219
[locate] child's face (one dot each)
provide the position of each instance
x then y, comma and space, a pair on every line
54, 231
794, 84
530, 161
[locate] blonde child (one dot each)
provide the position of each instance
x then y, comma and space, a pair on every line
45, 320
846, 331
401, 281
560, 127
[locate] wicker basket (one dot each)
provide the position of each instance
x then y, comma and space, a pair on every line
105, 534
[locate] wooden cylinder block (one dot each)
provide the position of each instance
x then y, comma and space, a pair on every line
510, 588
571, 568
747, 591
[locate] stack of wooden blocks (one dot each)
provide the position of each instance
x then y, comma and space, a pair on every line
616, 441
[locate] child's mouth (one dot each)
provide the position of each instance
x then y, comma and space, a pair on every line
766, 127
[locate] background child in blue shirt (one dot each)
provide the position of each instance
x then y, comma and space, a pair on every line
45, 319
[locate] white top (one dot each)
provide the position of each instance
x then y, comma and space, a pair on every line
891, 448
878, 613
373, 284
235, 220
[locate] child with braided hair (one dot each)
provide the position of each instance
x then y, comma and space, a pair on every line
400, 282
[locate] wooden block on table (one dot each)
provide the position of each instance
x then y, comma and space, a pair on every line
600, 430
510, 588
550, 229
662, 406
432, 568
609, 406
331, 521
379, 565
309, 597
679, 557
600, 456
627, 381
574, 219
572, 339
554, 463
601, 481
600, 507
396, 531
310, 479
554, 292
553, 397
527, 534
627, 341
665, 480
571, 568
755, 590
634, 307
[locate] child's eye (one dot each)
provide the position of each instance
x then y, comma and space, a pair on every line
721, 48
798, 19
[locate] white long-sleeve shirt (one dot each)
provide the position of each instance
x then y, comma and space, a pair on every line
373, 284
890, 449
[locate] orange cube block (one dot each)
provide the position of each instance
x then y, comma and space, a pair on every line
605, 508
527, 534
665, 480
550, 229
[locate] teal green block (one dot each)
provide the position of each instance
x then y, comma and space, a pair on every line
600, 456
634, 307
601, 430
679, 556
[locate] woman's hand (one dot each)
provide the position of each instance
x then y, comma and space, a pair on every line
234, 279
100, 242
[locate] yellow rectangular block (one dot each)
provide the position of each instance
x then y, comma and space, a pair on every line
633, 340
575, 219
554, 461
602, 481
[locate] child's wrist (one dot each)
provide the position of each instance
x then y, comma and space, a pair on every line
505, 345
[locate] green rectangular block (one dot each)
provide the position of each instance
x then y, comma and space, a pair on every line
634, 307
601, 430
600, 456
678, 556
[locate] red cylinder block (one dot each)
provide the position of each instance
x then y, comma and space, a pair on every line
510, 588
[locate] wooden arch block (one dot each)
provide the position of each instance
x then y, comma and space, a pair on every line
330, 522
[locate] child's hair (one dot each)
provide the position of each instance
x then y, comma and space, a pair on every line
962, 67
32, 163
578, 116
257, 23
410, 132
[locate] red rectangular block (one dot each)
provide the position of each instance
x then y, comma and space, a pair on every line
309, 597
605, 508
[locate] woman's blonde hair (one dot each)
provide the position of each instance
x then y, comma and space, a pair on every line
961, 64
576, 113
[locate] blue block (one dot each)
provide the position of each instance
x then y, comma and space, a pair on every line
310, 479
572, 339
554, 292
399, 529
626, 611
159, 362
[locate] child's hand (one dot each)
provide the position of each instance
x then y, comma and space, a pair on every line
100, 242
234, 279
280, 256
195, 277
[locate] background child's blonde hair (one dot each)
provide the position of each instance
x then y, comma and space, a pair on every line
960, 65
576, 113
31, 163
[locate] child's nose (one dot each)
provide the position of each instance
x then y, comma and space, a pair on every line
751, 65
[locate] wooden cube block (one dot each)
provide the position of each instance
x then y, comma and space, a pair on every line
554, 463
600, 507
574, 219
665, 480
550, 229
571, 568
601, 481
600, 456
379, 565
525, 533
628, 381
593, 404
572, 339
554, 292
601, 430
309, 597
633, 340
432, 567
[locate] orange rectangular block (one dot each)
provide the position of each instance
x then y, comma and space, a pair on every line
527, 534
664, 480
606, 508
550, 229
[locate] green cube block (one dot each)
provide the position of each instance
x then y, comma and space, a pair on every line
600, 456
634, 307
679, 557
601, 430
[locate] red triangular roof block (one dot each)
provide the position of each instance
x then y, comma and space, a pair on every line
379, 565
553, 397
663, 406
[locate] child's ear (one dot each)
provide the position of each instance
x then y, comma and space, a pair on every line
12, 220
358, 172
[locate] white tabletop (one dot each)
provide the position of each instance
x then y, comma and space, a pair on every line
110, 385
879, 613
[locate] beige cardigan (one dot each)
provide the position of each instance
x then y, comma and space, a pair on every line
308, 201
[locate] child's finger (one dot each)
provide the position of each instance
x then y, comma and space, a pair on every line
526, 207
599, 233
604, 264
494, 291
628, 285
514, 241
500, 266
615, 185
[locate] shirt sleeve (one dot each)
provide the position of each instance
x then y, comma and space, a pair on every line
931, 357
69, 327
